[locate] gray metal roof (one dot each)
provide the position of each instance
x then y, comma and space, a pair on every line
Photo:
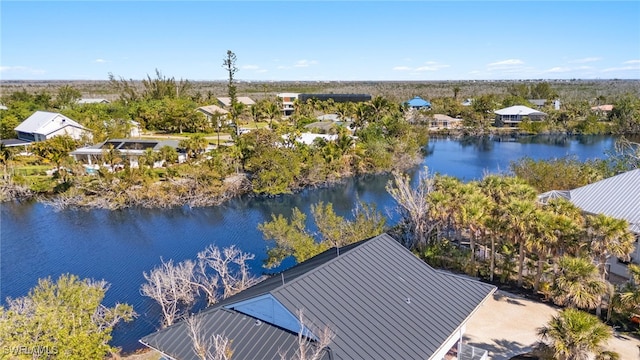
248, 337
380, 300
617, 196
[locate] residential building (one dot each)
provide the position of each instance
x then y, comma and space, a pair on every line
213, 112
338, 98
418, 103
541, 103
378, 298
288, 100
441, 121
618, 197
226, 101
43, 125
514, 115
602, 108
92, 101
129, 149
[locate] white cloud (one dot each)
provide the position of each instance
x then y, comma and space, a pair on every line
305, 63
623, 68
632, 62
261, 71
100, 61
557, 69
21, 69
507, 62
585, 60
429, 66
250, 67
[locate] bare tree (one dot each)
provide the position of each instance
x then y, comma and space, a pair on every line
311, 349
214, 347
217, 273
231, 266
171, 286
414, 205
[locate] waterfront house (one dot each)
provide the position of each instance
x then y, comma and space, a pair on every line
441, 121
43, 125
418, 103
514, 115
378, 298
618, 197
127, 149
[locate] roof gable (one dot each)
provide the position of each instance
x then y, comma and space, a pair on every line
519, 110
418, 102
44, 122
379, 299
384, 302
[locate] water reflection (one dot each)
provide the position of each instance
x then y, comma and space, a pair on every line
118, 246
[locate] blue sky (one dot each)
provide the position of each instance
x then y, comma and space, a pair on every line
321, 40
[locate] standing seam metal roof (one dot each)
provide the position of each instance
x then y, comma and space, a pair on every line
380, 300
617, 196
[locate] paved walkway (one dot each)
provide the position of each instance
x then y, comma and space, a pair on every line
506, 326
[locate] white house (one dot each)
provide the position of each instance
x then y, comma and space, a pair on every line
513, 115
287, 102
43, 125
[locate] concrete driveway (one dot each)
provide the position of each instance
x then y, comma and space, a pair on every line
506, 326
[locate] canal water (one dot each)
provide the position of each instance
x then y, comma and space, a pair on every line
118, 246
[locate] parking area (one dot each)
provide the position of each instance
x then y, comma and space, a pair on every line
506, 326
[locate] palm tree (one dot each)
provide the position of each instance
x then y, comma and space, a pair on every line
574, 335
379, 105
519, 218
5, 156
543, 240
608, 237
473, 211
578, 283
257, 112
272, 111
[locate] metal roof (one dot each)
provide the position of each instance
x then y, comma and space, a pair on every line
212, 110
248, 336
519, 110
226, 101
44, 122
380, 300
617, 196
418, 102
